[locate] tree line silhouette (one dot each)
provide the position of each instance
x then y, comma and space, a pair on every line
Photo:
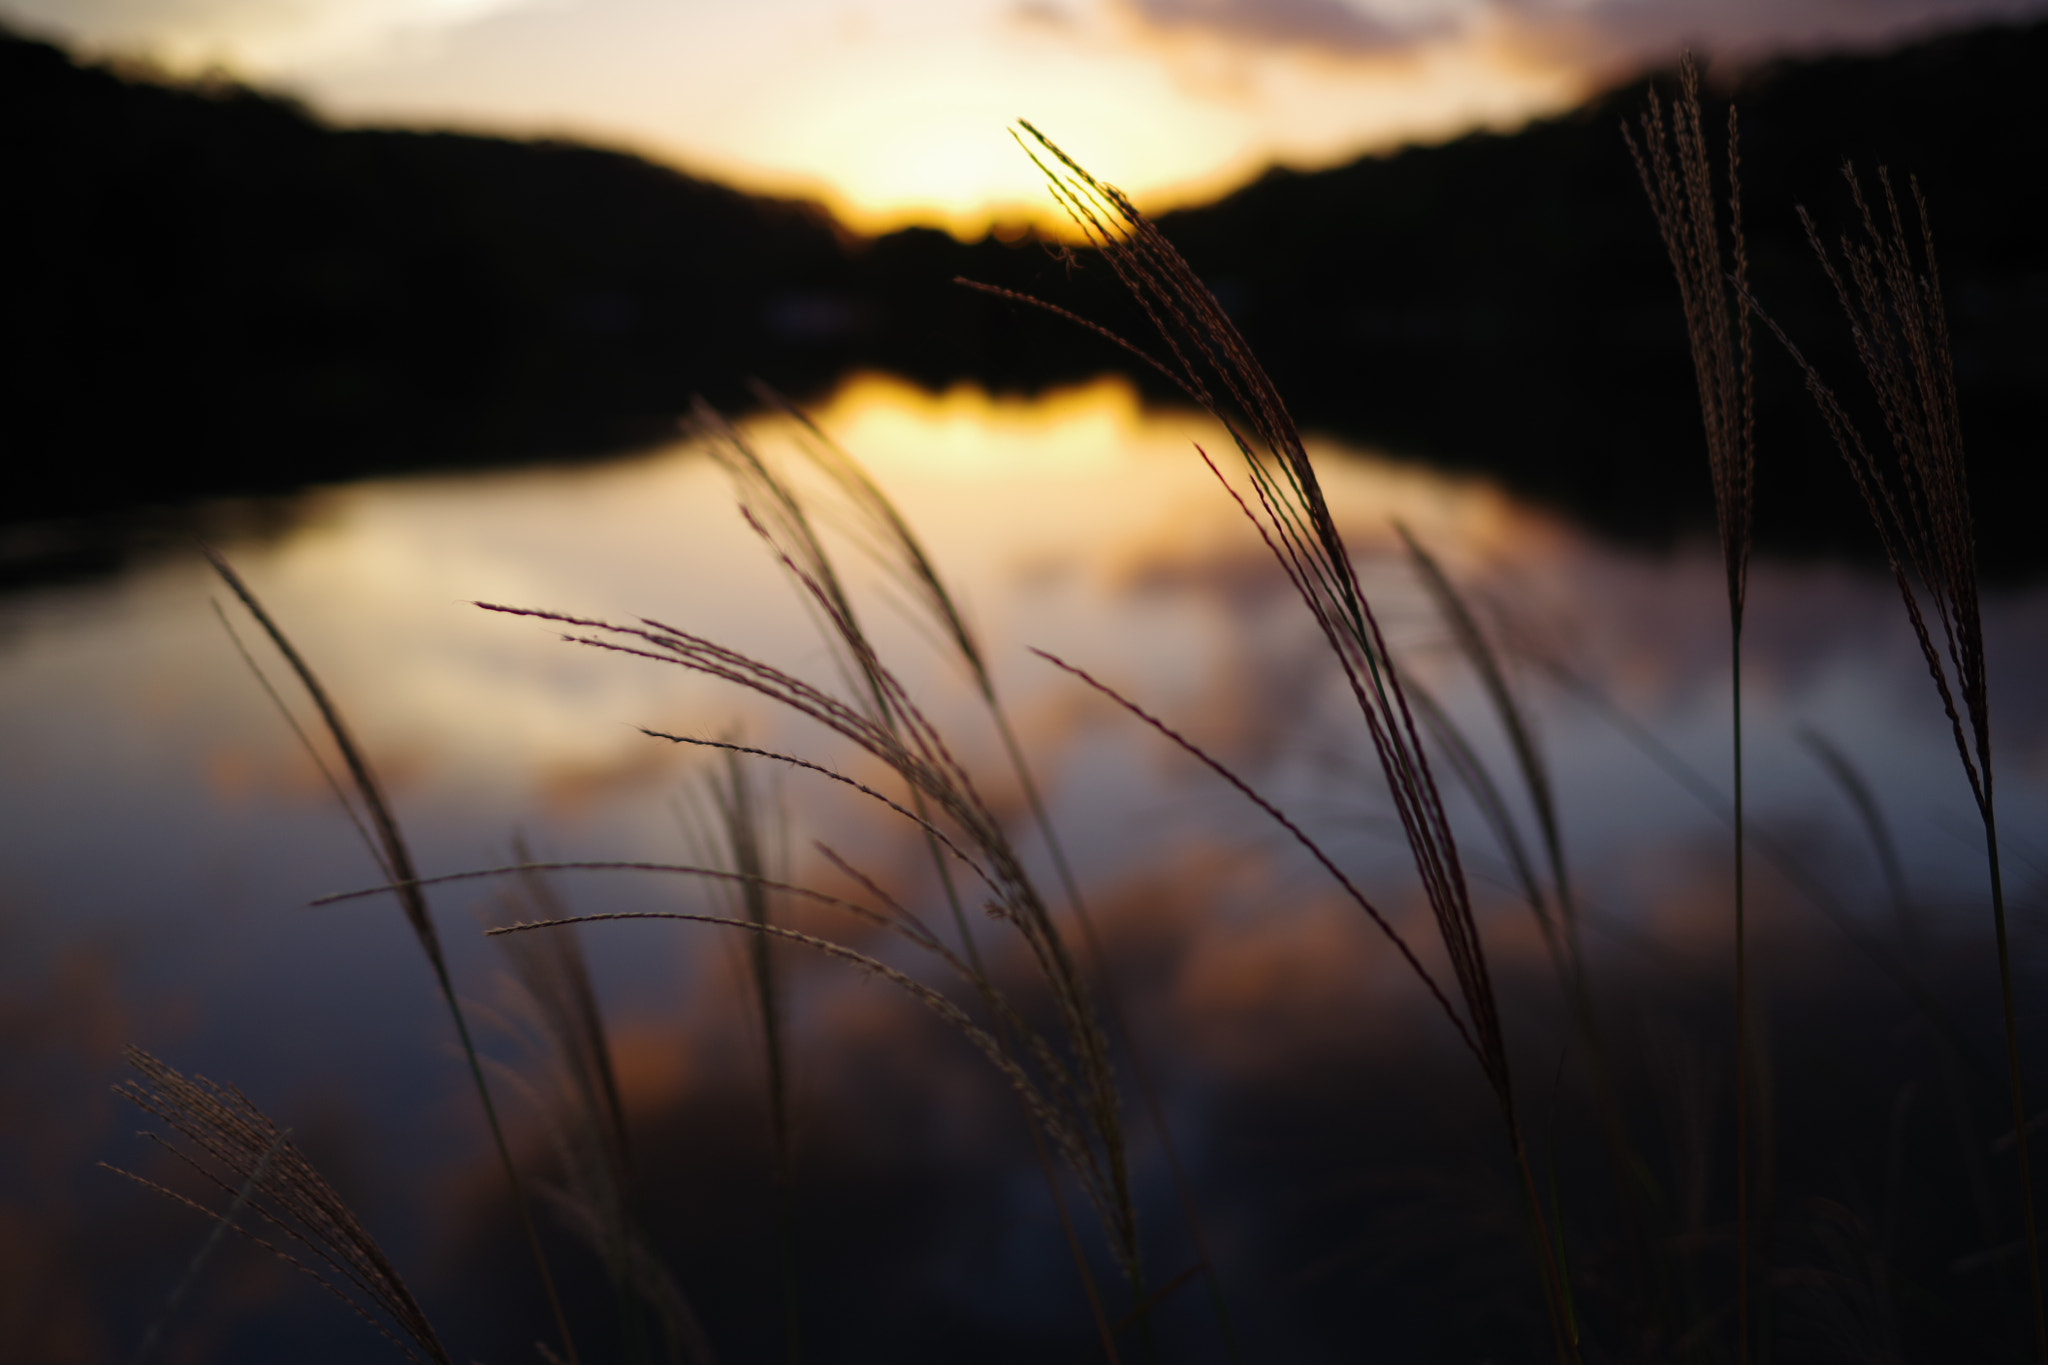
213, 291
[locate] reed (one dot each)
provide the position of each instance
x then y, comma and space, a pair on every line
1782, 856
1555, 907
1548, 889
1862, 797
772, 504
235, 1147
888, 540
1208, 359
1678, 178
388, 849
737, 809
1919, 501
1069, 1083
577, 1095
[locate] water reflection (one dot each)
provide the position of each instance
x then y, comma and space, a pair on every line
164, 826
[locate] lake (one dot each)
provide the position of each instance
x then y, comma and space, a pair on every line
166, 834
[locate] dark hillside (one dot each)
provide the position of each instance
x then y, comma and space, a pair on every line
1504, 301
215, 292
212, 291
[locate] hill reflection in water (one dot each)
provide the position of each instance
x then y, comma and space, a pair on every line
166, 835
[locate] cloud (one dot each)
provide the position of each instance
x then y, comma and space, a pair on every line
1618, 34
1325, 26
254, 34
1758, 25
1600, 32
1042, 14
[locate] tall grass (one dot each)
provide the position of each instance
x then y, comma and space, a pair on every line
235, 1147
1060, 1040
1677, 175
1548, 889
1066, 1080
1912, 934
388, 849
1919, 501
577, 1096
888, 540
737, 808
773, 505
1208, 359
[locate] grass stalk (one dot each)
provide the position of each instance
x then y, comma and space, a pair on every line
1863, 800
890, 541
1919, 502
1046, 1097
1678, 179
1556, 910
1077, 1079
1775, 852
236, 1148
737, 811
1207, 358
391, 854
1742, 1011
772, 505
214, 1237
586, 1115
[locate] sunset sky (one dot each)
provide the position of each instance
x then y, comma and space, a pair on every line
894, 111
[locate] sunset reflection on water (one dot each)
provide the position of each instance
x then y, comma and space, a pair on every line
163, 820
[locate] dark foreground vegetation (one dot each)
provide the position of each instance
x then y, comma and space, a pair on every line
214, 292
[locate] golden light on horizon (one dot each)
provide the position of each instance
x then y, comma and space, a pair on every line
891, 115
895, 112
944, 154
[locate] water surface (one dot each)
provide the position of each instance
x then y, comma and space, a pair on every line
165, 833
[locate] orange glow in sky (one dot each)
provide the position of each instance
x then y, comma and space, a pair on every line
895, 111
